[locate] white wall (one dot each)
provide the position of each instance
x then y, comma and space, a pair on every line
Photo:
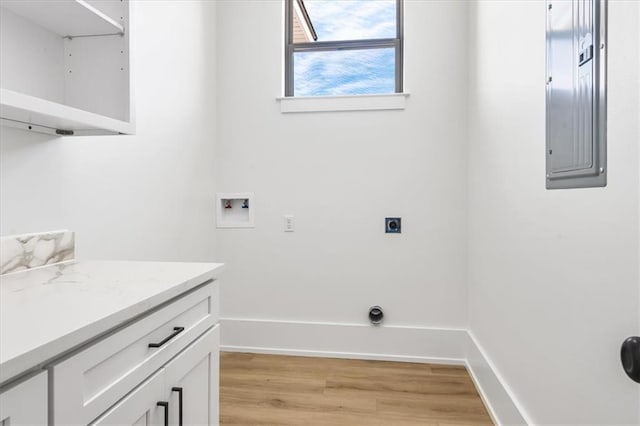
638, 111
148, 196
340, 174
553, 275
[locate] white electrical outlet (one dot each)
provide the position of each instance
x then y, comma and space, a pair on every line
289, 225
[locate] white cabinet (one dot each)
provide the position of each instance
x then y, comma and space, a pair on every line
177, 345
91, 381
65, 66
26, 403
144, 333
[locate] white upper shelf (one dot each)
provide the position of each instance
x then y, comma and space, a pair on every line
27, 110
67, 18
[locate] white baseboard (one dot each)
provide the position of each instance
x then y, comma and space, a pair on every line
387, 343
503, 407
345, 340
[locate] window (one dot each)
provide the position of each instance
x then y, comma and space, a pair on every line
343, 47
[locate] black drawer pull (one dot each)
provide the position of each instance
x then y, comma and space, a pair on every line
179, 390
165, 405
176, 331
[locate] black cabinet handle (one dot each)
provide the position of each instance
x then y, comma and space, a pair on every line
630, 357
165, 405
179, 390
176, 331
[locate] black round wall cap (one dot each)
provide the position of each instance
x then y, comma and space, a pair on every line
375, 314
630, 357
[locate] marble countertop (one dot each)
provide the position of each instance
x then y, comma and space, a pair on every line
48, 311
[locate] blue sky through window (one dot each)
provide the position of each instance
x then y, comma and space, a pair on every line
350, 72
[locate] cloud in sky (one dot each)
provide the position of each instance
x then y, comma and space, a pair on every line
352, 19
353, 71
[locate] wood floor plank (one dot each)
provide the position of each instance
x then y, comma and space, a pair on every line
435, 408
434, 385
268, 383
300, 402
449, 370
260, 389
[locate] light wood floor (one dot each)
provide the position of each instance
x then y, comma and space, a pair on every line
285, 390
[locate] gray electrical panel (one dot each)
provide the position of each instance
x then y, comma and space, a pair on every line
576, 94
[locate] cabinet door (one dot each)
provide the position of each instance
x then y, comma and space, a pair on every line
193, 376
26, 403
140, 407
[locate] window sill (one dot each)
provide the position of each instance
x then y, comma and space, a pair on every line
391, 101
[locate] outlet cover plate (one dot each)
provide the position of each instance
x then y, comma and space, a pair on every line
393, 225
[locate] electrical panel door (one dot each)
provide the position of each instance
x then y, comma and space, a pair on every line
576, 94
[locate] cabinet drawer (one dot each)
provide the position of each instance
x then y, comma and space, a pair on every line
26, 403
139, 408
88, 383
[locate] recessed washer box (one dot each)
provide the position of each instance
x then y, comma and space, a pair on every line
235, 210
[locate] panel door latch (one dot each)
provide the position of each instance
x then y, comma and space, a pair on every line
586, 55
